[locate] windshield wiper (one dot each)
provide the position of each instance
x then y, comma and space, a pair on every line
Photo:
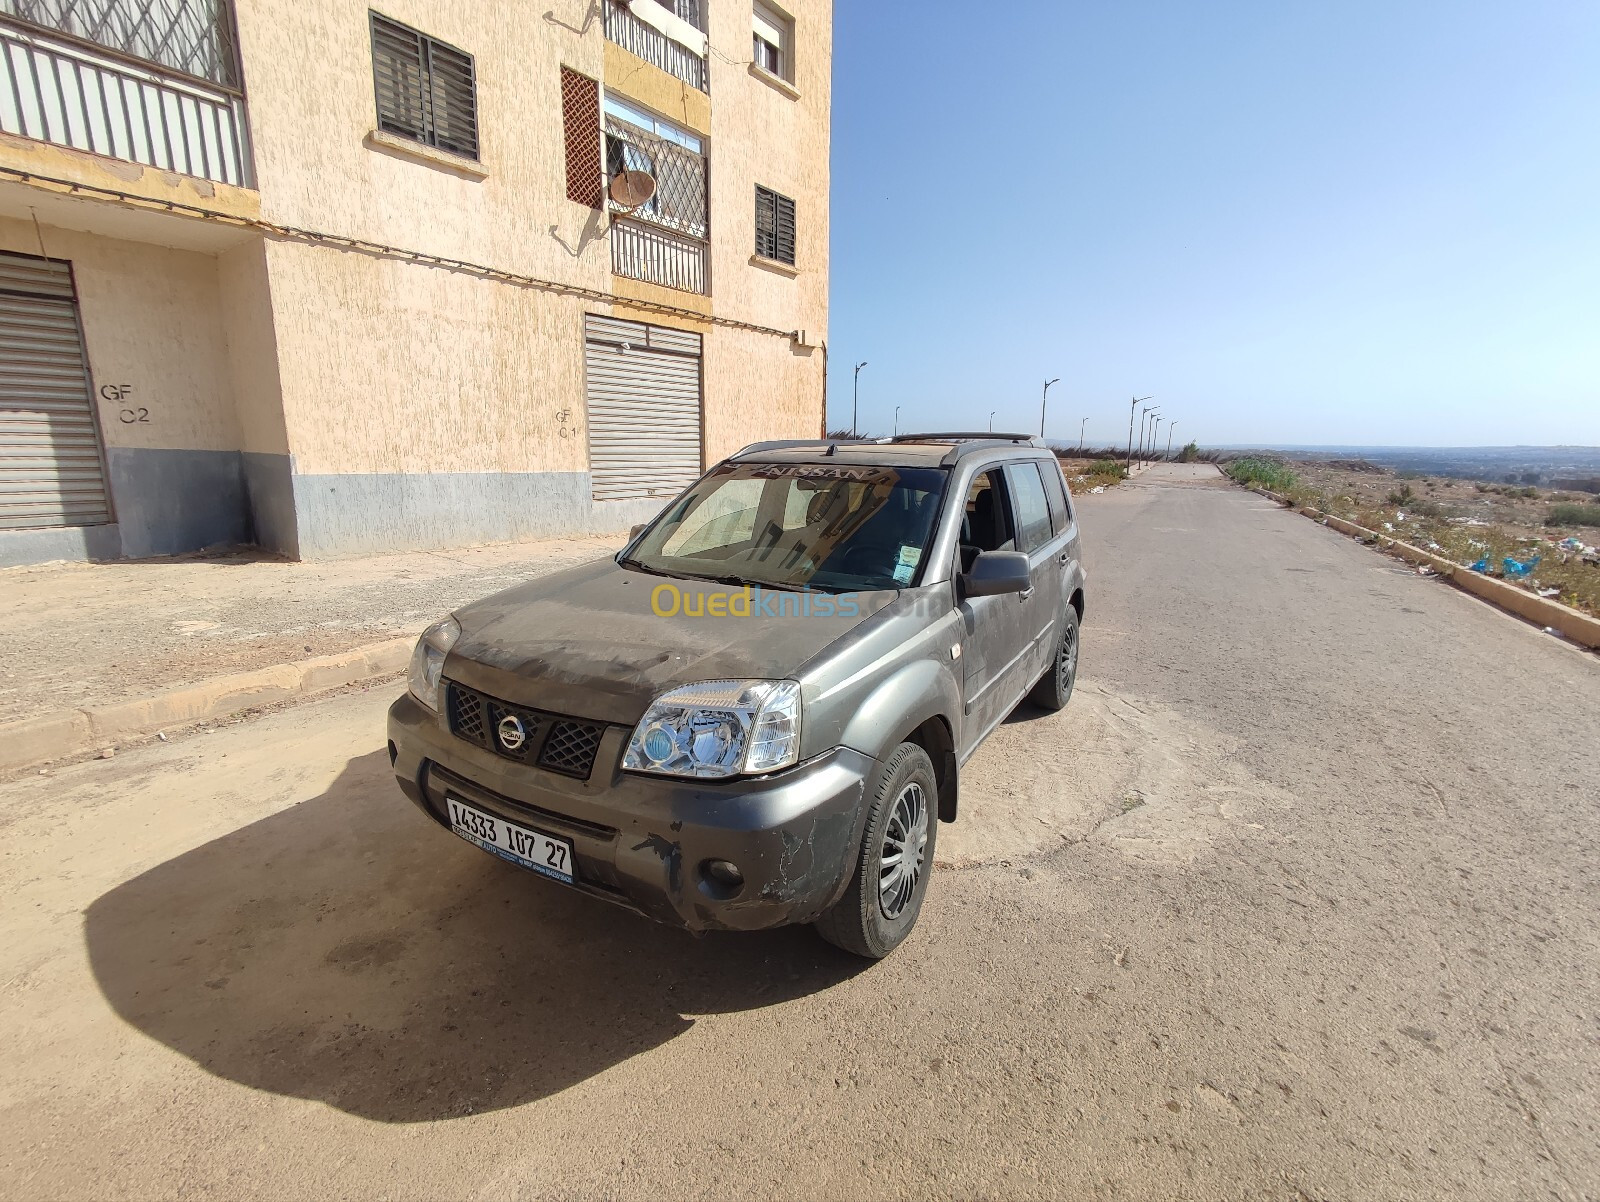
628, 561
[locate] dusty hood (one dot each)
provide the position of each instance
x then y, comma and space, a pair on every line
589, 641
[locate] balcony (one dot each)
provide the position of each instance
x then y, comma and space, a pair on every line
139, 80
667, 35
664, 240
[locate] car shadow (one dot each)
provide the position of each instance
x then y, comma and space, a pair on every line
349, 951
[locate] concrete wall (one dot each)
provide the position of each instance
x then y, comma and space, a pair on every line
153, 332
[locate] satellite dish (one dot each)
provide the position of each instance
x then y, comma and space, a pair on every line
630, 189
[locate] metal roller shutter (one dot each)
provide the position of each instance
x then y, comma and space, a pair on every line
644, 409
51, 472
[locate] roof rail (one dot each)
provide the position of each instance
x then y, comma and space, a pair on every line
967, 436
784, 444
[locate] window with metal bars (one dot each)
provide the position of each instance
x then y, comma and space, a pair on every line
774, 226
426, 89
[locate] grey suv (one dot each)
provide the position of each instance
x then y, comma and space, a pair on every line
757, 712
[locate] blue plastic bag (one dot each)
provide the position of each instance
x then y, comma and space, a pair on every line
1518, 570
1481, 566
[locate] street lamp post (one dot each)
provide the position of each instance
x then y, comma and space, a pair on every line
1133, 404
1082, 426
991, 420
855, 400
1144, 421
1171, 426
897, 421
1155, 433
1044, 396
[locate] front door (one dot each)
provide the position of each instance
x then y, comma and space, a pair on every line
999, 630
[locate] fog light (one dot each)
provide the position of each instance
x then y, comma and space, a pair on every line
724, 873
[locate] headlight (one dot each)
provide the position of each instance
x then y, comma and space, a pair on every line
719, 728
427, 661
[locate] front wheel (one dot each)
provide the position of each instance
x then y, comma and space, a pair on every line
891, 874
1055, 687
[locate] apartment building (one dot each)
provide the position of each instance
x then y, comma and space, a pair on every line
330, 278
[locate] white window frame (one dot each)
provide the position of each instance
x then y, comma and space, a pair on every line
650, 123
775, 28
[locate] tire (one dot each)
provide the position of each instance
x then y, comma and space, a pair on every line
1054, 689
876, 913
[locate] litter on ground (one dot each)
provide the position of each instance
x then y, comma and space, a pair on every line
1516, 569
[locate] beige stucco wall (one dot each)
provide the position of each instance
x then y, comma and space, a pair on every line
389, 366
756, 388
152, 324
255, 383
308, 70
761, 135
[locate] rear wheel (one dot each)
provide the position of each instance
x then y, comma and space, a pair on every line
1055, 687
892, 869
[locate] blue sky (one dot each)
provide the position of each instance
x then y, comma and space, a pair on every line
1342, 222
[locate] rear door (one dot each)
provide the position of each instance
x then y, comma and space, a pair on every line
1037, 536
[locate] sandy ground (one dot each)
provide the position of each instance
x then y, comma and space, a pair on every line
86, 634
1306, 909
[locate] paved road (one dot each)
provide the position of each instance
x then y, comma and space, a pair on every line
1309, 912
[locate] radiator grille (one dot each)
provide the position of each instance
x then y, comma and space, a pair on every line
552, 741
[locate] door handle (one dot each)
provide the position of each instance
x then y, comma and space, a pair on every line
1065, 556
1024, 594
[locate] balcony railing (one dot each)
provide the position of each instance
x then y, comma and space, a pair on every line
161, 91
649, 43
657, 256
663, 240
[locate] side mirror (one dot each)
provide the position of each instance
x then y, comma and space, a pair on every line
997, 572
638, 529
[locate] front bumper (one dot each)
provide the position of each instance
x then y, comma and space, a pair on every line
643, 841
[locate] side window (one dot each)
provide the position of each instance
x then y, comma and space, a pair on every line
1055, 490
1033, 511
986, 522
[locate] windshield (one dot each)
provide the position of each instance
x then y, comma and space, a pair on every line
799, 525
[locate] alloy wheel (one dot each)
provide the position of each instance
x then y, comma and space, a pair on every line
1067, 659
905, 842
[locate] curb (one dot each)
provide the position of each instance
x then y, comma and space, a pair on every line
66, 733
1574, 624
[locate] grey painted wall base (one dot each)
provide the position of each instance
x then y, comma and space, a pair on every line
170, 502
351, 514
78, 543
269, 490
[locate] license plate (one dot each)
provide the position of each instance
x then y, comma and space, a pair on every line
510, 841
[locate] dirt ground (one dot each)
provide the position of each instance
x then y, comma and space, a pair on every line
1468, 521
84, 634
1294, 901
